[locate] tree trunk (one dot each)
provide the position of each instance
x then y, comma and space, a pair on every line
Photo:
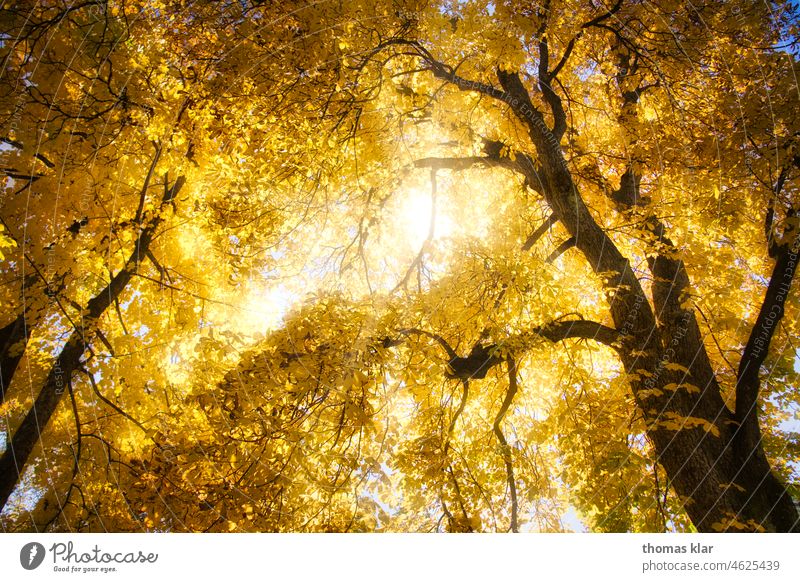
723, 486
13, 339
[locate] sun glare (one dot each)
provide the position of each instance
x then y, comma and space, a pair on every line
415, 216
264, 309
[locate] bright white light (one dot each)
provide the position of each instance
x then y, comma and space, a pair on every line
264, 310
415, 217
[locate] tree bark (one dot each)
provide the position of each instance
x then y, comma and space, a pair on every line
769, 496
13, 339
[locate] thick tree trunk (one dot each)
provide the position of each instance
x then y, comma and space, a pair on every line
719, 471
29, 432
719, 466
723, 487
769, 496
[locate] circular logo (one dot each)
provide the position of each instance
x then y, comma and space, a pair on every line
31, 555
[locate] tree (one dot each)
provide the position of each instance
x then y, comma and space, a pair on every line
547, 251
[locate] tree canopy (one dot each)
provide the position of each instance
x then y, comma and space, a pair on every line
458, 266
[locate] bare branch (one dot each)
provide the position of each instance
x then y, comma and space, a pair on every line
772, 246
436, 337
505, 451
539, 232
561, 249
146, 185
561, 330
552, 98
520, 162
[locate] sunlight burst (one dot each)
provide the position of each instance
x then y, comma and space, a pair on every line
415, 217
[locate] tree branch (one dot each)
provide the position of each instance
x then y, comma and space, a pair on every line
13, 339
455, 163
539, 232
428, 240
571, 44
561, 330
21, 445
505, 451
553, 180
436, 337
521, 163
561, 249
772, 247
757, 347
552, 98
